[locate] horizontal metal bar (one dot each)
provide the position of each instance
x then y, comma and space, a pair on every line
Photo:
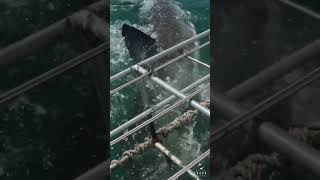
174, 91
147, 112
6, 96
285, 65
145, 123
88, 21
161, 54
35, 41
261, 106
174, 159
297, 152
100, 172
31, 43
190, 165
197, 61
301, 9
158, 68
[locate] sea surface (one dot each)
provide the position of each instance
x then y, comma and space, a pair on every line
43, 133
187, 143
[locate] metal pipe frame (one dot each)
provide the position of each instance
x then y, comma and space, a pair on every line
285, 65
31, 43
159, 67
233, 109
297, 151
174, 91
278, 139
54, 72
197, 61
157, 116
161, 54
302, 9
174, 159
147, 112
190, 165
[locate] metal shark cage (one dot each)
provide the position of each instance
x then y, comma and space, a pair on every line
181, 94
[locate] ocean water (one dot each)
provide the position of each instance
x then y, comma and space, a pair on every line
40, 130
187, 143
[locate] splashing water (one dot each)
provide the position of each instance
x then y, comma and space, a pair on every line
187, 143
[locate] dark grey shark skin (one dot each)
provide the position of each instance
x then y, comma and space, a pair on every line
140, 46
171, 28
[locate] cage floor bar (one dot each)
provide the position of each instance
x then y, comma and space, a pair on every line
174, 159
147, 112
177, 93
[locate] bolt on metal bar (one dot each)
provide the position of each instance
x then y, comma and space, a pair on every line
195, 60
284, 66
158, 115
301, 9
158, 68
161, 54
165, 85
58, 70
174, 159
190, 165
147, 112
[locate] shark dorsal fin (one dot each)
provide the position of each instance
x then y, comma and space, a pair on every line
139, 44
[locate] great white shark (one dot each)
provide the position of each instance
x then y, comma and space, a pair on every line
171, 26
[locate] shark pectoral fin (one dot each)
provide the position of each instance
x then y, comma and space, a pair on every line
139, 44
